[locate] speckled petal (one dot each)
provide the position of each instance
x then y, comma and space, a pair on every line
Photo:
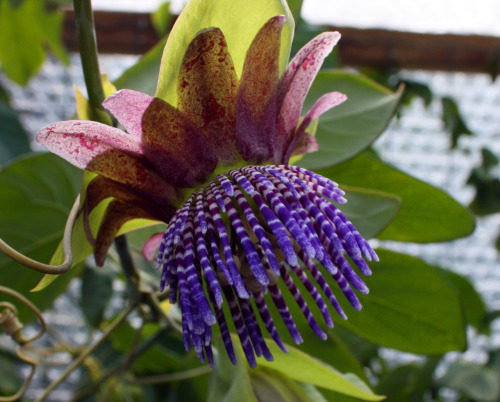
128, 107
211, 107
175, 146
256, 102
79, 142
294, 86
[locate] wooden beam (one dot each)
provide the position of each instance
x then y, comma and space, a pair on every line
133, 33
392, 49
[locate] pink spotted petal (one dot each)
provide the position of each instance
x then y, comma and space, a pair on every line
207, 88
256, 102
175, 146
128, 107
323, 104
294, 86
151, 246
81, 141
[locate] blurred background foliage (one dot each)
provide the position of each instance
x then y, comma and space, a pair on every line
412, 307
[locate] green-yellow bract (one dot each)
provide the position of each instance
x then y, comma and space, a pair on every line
213, 164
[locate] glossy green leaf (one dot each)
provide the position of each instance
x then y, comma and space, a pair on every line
369, 210
474, 307
14, 140
411, 307
269, 385
351, 127
143, 76
299, 366
239, 20
427, 214
25, 31
96, 291
230, 383
36, 197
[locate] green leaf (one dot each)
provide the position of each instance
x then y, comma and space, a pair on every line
269, 385
143, 75
397, 384
24, 33
474, 307
453, 121
477, 382
427, 214
230, 383
36, 197
411, 307
165, 355
239, 20
370, 211
10, 381
97, 288
162, 19
351, 127
299, 366
14, 140
295, 8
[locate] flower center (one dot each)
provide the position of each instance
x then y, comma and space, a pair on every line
249, 227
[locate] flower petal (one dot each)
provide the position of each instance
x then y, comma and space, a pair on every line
128, 107
133, 172
117, 213
305, 145
256, 103
101, 188
294, 86
81, 141
151, 246
175, 146
323, 104
207, 88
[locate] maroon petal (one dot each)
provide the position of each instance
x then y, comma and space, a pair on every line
256, 103
117, 214
294, 86
305, 145
132, 172
101, 188
128, 107
81, 141
175, 146
207, 88
326, 102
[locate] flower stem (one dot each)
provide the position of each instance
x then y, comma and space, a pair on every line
131, 274
88, 51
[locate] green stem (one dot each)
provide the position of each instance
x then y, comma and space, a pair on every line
131, 274
123, 315
90, 65
164, 378
88, 51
